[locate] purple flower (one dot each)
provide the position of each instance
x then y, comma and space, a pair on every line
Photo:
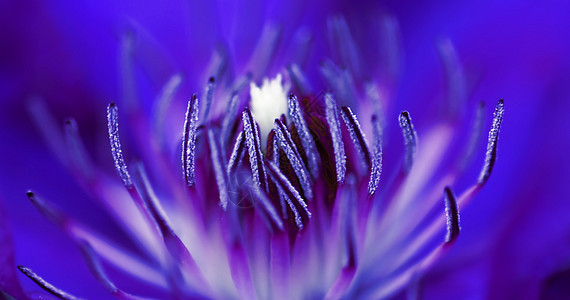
260, 152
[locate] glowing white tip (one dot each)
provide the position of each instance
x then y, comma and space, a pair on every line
268, 102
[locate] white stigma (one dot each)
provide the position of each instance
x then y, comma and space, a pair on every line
268, 102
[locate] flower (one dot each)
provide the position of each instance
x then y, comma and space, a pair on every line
324, 201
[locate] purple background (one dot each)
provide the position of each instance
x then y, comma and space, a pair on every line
516, 233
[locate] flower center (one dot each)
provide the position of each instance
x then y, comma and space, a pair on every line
268, 102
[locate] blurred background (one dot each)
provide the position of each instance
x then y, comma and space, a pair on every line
515, 239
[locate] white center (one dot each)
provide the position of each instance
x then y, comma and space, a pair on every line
268, 102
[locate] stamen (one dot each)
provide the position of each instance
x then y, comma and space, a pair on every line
286, 143
356, 135
163, 103
172, 241
209, 96
77, 152
376, 170
301, 45
299, 79
373, 93
332, 73
46, 285
336, 135
284, 198
150, 200
342, 40
189, 140
265, 49
219, 169
229, 117
113, 253
304, 134
268, 206
273, 147
218, 62
348, 271
116, 151
340, 80
128, 83
491, 155
237, 153
410, 139
391, 45
47, 125
254, 149
97, 269
456, 90
242, 82
290, 190
46, 208
275, 160
452, 216
296, 214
